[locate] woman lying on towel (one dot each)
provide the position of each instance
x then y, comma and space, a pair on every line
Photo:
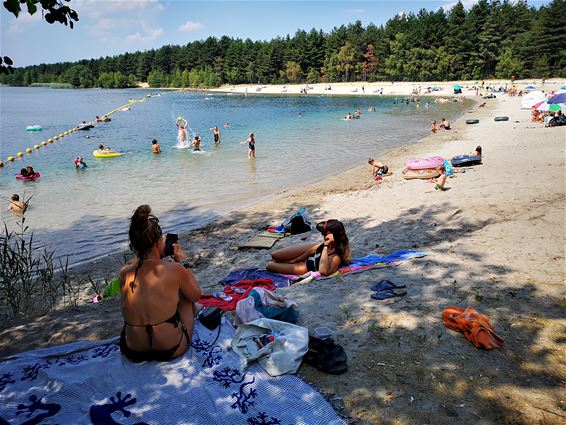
325, 258
157, 297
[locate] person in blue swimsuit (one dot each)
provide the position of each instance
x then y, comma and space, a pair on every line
251, 145
325, 258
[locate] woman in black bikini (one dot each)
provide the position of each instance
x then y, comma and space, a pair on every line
325, 258
157, 297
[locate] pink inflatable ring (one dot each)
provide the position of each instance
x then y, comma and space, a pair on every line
34, 177
425, 163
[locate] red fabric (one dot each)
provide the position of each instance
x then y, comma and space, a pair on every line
209, 300
474, 325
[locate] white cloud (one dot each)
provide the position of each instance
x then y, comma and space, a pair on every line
24, 20
190, 26
466, 3
102, 8
148, 36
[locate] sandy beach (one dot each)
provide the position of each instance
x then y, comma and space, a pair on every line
495, 241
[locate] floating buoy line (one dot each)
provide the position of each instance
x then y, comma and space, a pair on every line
60, 136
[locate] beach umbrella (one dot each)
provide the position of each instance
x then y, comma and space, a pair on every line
457, 86
537, 105
554, 107
559, 98
531, 99
559, 91
563, 88
530, 88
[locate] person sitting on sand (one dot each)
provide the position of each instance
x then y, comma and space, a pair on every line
157, 297
216, 135
325, 258
482, 105
434, 127
377, 168
477, 152
251, 145
16, 205
444, 124
440, 180
155, 148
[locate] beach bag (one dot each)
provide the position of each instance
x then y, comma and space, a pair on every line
277, 346
298, 223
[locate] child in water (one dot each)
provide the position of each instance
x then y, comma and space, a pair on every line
251, 145
155, 146
196, 143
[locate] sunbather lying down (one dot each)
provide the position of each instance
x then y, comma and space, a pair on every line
325, 258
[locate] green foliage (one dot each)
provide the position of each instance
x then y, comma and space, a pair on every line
492, 38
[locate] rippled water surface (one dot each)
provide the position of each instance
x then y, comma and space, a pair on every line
85, 214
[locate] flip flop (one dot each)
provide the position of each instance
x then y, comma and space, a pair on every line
222, 296
385, 285
384, 295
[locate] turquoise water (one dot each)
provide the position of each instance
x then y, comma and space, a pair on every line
85, 214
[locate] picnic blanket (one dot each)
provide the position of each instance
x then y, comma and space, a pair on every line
92, 383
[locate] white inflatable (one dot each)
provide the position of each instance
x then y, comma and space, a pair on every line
531, 99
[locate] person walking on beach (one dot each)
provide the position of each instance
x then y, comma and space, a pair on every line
251, 145
155, 146
216, 134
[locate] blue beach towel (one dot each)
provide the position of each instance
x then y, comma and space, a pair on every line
397, 256
92, 383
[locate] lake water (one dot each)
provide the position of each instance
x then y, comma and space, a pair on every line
85, 214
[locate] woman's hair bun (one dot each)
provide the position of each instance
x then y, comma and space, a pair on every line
142, 213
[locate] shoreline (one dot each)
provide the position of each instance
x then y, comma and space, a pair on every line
492, 244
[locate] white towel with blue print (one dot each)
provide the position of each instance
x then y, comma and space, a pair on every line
92, 383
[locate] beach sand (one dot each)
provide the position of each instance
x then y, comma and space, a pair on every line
495, 241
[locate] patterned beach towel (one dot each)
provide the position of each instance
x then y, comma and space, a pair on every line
92, 383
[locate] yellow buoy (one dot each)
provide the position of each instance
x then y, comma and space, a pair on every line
50, 140
60, 134
1, 164
55, 138
10, 158
28, 150
20, 154
36, 146
43, 143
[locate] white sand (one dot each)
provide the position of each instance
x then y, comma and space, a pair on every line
495, 241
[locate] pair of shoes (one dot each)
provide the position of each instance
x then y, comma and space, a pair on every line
326, 356
387, 289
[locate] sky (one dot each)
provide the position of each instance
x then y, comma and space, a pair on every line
111, 27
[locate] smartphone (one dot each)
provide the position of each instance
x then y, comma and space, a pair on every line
170, 239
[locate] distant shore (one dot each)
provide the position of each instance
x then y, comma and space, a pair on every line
438, 88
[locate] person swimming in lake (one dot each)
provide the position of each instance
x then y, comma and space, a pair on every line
30, 171
79, 162
16, 205
251, 145
155, 148
196, 143
158, 298
226, 125
326, 258
182, 125
216, 135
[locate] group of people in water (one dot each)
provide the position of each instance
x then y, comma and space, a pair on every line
160, 298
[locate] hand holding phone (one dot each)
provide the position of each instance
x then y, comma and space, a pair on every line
170, 239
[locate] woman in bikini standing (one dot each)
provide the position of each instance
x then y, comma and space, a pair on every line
157, 297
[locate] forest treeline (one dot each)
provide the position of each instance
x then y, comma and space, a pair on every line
491, 39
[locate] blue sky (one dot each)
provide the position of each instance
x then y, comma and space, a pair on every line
110, 27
